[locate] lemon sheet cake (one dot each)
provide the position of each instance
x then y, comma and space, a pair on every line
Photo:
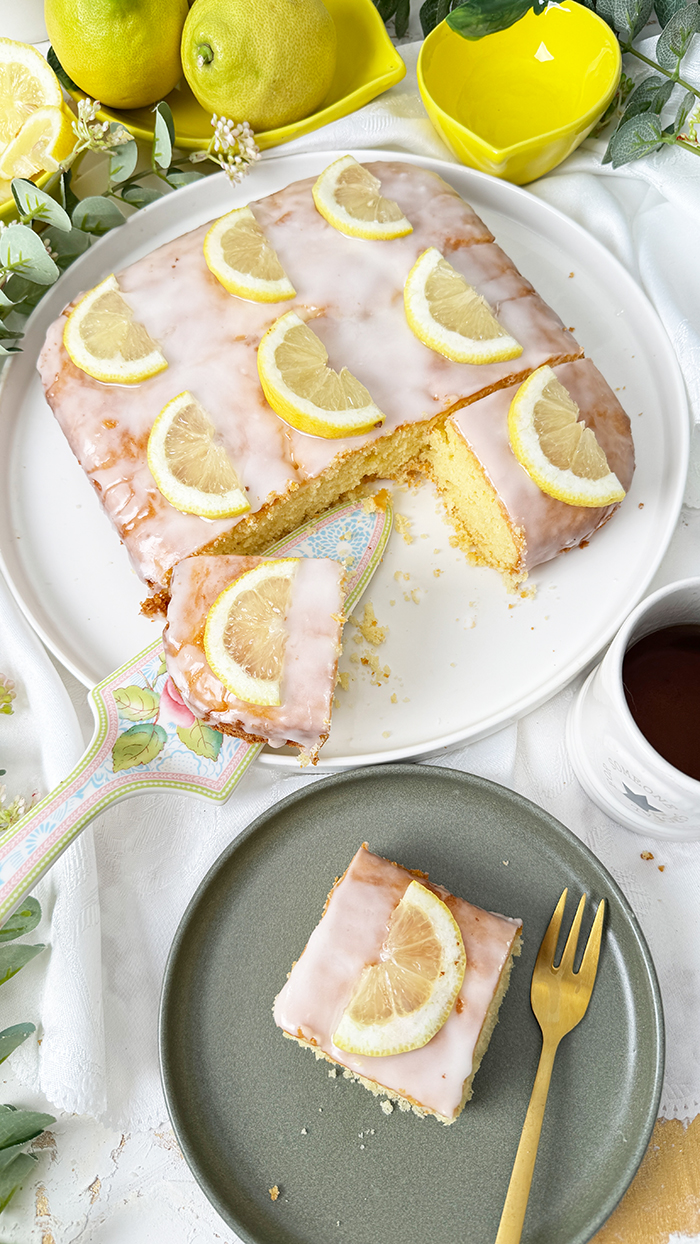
350, 292
286, 628
354, 934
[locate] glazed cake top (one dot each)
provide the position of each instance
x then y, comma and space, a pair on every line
351, 292
350, 936
313, 628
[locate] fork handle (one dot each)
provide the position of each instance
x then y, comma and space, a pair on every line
513, 1216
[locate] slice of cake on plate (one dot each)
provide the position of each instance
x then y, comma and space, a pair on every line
252, 645
399, 966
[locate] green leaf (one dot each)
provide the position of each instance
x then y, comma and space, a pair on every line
4, 300
631, 16
432, 12
6, 333
35, 204
201, 740
386, 9
636, 138
24, 294
649, 96
97, 215
477, 18
666, 8
676, 37
14, 958
8, 1155
685, 108
163, 137
67, 246
12, 1038
9, 350
176, 178
137, 703
21, 921
19, 1126
60, 72
141, 196
70, 200
138, 746
14, 1175
122, 161
23, 252
403, 13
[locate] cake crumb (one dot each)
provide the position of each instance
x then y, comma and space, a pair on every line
646, 855
437, 572
274, 1192
403, 526
386, 734
344, 680
377, 501
362, 1146
506, 862
392, 602
320, 1110
661, 867
369, 628
304, 1131
437, 550
406, 700
394, 699
387, 1106
404, 1106
401, 574
332, 1073
355, 658
415, 595
641, 505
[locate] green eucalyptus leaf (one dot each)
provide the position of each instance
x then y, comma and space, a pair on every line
4, 300
35, 204
649, 96
11, 1038
9, 350
97, 215
22, 251
67, 246
122, 161
60, 72
19, 1126
141, 196
7, 332
22, 921
631, 16
25, 294
403, 13
432, 12
677, 36
14, 1175
176, 178
138, 746
636, 138
666, 8
386, 9
477, 18
606, 10
8, 1155
70, 200
14, 958
685, 108
163, 136
202, 740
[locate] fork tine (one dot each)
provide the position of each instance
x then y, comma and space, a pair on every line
589, 963
547, 951
569, 952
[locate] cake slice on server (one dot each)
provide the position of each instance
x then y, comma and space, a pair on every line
252, 645
400, 984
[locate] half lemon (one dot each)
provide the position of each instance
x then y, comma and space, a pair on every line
450, 317
103, 339
245, 635
400, 1002
190, 466
241, 258
556, 448
304, 391
27, 82
44, 140
349, 197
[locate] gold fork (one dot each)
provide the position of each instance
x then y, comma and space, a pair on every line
559, 998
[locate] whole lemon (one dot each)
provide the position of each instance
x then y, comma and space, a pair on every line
126, 53
268, 62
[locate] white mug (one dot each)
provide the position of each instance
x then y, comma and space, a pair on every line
23, 20
616, 765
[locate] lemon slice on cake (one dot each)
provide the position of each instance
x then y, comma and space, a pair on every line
103, 339
448, 315
304, 391
241, 258
349, 197
245, 635
192, 470
44, 140
27, 82
400, 1002
556, 448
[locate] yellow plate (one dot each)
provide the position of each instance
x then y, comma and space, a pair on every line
516, 103
368, 64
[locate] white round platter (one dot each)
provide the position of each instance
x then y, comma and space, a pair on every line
463, 657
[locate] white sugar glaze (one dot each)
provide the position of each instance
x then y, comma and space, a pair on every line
311, 654
549, 525
351, 290
350, 936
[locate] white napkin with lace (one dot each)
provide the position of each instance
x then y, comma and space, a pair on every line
96, 991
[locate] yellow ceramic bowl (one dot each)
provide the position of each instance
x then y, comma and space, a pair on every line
367, 64
516, 103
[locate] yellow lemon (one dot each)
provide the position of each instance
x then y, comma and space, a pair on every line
103, 339
126, 53
245, 635
349, 197
240, 256
556, 448
26, 83
399, 1003
44, 140
268, 62
448, 315
191, 468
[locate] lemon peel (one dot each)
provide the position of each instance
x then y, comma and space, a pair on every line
245, 636
349, 197
193, 472
401, 1002
450, 317
556, 448
104, 340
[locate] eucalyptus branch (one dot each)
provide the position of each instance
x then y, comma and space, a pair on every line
674, 77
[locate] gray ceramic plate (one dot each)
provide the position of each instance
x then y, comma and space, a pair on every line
252, 1110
